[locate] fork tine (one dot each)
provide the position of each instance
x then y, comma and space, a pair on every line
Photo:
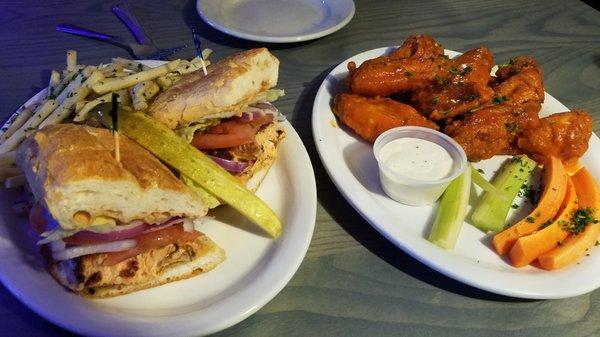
166, 53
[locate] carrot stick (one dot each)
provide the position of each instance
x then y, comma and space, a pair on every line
555, 181
576, 246
529, 247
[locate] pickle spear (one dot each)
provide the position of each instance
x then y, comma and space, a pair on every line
208, 199
189, 161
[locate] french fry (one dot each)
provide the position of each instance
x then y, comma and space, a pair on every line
8, 158
123, 97
137, 95
74, 84
41, 112
130, 64
67, 77
114, 84
188, 67
64, 109
15, 181
164, 82
111, 69
79, 105
71, 60
54, 82
151, 91
81, 115
16, 121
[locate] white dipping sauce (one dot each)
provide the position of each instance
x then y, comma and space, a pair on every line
416, 158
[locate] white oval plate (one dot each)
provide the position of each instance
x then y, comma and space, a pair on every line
255, 270
277, 21
350, 163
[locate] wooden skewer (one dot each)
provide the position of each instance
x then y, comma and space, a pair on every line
117, 150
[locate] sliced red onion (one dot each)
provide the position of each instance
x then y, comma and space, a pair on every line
265, 106
166, 224
252, 113
76, 251
119, 233
57, 245
188, 225
230, 165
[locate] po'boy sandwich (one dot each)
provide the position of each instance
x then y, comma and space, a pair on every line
228, 114
112, 227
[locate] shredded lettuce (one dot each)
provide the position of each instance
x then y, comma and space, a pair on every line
270, 95
188, 132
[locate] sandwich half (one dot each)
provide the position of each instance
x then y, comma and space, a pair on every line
228, 113
112, 227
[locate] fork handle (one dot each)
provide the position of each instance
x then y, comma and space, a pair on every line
67, 28
135, 29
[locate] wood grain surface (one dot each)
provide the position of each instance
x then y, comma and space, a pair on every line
353, 282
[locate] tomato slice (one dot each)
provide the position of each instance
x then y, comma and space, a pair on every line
37, 218
230, 133
152, 240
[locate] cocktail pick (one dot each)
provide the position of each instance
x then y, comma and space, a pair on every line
198, 46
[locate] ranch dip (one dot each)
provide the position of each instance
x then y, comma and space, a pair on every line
416, 158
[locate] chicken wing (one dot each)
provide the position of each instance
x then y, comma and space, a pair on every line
418, 46
370, 117
462, 88
520, 81
564, 135
493, 130
384, 75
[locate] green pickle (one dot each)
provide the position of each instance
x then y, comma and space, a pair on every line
208, 199
189, 161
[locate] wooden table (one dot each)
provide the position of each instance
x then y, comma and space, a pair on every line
353, 282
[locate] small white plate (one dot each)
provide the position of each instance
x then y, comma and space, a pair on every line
350, 163
277, 21
255, 270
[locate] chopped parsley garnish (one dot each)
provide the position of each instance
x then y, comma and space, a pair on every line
499, 99
547, 223
514, 206
512, 127
410, 73
481, 171
435, 100
579, 220
454, 71
530, 193
530, 219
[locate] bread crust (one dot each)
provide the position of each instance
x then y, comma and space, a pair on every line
71, 168
84, 277
229, 87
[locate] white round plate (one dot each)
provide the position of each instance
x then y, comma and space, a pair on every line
277, 21
255, 270
350, 163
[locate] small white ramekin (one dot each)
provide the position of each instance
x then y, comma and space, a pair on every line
412, 191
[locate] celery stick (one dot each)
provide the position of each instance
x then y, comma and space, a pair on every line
451, 214
492, 209
480, 181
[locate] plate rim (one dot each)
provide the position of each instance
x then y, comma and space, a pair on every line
273, 39
244, 310
402, 241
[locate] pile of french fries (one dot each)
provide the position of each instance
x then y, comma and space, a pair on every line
75, 91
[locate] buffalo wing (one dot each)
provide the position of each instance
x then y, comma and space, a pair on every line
370, 117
